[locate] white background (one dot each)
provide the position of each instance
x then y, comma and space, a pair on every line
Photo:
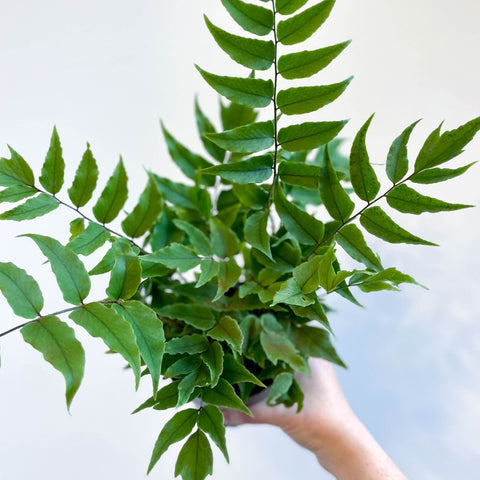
105, 72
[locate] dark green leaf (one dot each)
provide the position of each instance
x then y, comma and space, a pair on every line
435, 175
280, 386
191, 344
286, 7
187, 385
313, 312
228, 275
246, 139
227, 329
300, 27
210, 420
72, 278
195, 460
106, 263
53, 168
397, 159
102, 322
148, 330
309, 135
252, 170
307, 63
304, 227
176, 429
256, 233
235, 372
223, 395
294, 101
251, 53
145, 213
362, 175
251, 196
299, 174
85, 180
183, 366
252, 18
16, 192
173, 256
21, 291
406, 200
438, 149
31, 208
58, 345
225, 243
235, 115
378, 223
173, 192
198, 239
208, 270
334, 197
90, 239
205, 126
126, 273
15, 171
197, 316
213, 359
113, 196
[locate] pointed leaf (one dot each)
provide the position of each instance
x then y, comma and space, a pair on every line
291, 293
173, 256
126, 273
378, 223
235, 115
252, 170
234, 372
148, 330
106, 263
350, 238
227, 329
309, 135
210, 420
15, 171
31, 208
228, 275
183, 366
299, 100
213, 359
53, 168
307, 63
246, 139
195, 460
102, 322
256, 233
280, 386
90, 239
304, 227
287, 7
223, 395
397, 160
303, 25
362, 175
205, 126
334, 197
113, 196
406, 200
225, 243
191, 344
251, 53
197, 316
21, 291
71, 275
176, 429
208, 270
198, 239
58, 345
173, 192
252, 18
435, 175
85, 180
299, 174
16, 192
188, 384
251, 196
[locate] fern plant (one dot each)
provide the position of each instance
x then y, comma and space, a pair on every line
219, 285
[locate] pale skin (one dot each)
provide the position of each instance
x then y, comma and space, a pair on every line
328, 427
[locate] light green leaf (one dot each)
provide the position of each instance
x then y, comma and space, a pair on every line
195, 460
299, 100
198, 239
251, 138
191, 344
102, 322
252, 196
31, 208
113, 196
249, 52
307, 63
56, 341
16, 192
252, 170
303, 25
205, 126
390, 275
173, 256
406, 200
234, 372
53, 168
309, 135
126, 273
287, 7
280, 386
378, 223
106, 263
304, 227
307, 275
15, 171
208, 270
223, 395
173, 192
397, 159
85, 180
197, 316
350, 238
334, 197
77, 226
227, 329
255, 232
438, 149
71, 275
210, 420
148, 330
21, 291
362, 175
435, 175
225, 243
235, 115
313, 312
228, 275
252, 18
90, 239
213, 359
299, 174
291, 293
176, 429
144, 215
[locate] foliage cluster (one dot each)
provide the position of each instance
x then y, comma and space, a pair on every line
219, 284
